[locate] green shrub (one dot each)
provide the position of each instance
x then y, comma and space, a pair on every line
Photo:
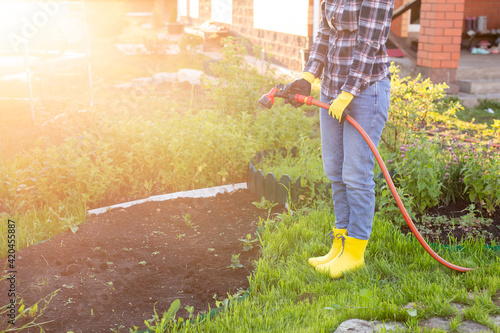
481, 177
470, 172
413, 100
136, 157
305, 163
239, 85
433, 171
418, 170
188, 44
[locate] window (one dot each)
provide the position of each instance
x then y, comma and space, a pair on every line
287, 16
222, 11
194, 8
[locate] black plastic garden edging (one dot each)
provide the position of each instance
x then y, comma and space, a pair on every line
280, 191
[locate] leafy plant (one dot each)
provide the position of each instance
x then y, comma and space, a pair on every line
227, 301
247, 243
481, 176
303, 160
496, 126
387, 206
239, 85
190, 310
436, 228
188, 221
412, 101
265, 204
33, 313
157, 46
188, 44
235, 262
417, 169
434, 171
167, 320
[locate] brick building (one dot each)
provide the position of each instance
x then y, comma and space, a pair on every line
287, 28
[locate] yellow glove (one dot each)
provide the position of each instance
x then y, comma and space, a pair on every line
339, 104
309, 77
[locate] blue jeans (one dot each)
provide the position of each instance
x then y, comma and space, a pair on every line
348, 160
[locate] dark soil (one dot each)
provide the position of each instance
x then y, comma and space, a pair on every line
121, 264
440, 230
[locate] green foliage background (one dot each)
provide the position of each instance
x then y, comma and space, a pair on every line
144, 144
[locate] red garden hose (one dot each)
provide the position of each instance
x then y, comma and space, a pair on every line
308, 100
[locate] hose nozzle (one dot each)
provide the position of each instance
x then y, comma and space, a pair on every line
268, 99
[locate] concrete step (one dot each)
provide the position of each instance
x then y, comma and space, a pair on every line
471, 100
479, 86
473, 73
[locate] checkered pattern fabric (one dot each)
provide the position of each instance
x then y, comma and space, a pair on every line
349, 49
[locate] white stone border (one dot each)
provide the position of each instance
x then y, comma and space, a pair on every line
201, 193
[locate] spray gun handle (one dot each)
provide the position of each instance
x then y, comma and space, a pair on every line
308, 100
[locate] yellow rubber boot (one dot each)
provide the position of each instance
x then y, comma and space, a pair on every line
336, 248
351, 258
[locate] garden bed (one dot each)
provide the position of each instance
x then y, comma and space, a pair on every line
457, 223
119, 265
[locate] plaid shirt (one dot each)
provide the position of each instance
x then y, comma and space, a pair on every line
349, 48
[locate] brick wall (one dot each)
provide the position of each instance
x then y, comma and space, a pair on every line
440, 33
284, 47
488, 8
439, 40
400, 25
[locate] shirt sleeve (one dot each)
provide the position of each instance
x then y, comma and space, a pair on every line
373, 31
319, 50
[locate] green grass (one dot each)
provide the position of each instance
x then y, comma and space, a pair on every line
478, 113
287, 295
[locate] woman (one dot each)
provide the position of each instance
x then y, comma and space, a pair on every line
349, 51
